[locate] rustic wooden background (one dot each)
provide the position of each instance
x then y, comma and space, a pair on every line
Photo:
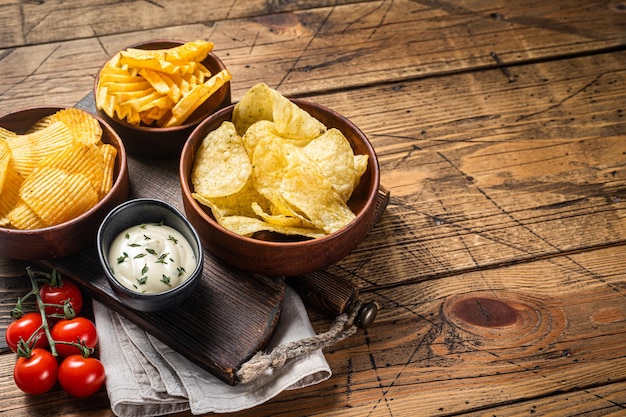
500, 264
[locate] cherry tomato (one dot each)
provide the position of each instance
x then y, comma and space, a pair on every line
23, 328
36, 374
78, 329
81, 377
58, 295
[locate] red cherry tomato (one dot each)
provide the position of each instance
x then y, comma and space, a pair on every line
58, 295
36, 374
81, 377
23, 328
79, 329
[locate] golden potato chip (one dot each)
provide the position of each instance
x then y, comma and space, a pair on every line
6, 134
11, 182
24, 218
5, 159
256, 132
283, 220
264, 103
78, 158
108, 153
194, 99
222, 164
255, 105
308, 192
240, 203
162, 87
29, 149
139, 59
302, 173
190, 51
158, 83
84, 127
194, 51
247, 226
51, 177
334, 156
57, 196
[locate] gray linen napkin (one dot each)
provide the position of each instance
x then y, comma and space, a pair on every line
147, 378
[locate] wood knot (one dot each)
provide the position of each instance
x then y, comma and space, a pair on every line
514, 324
484, 312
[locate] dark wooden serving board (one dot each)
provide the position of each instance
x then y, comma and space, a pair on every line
231, 316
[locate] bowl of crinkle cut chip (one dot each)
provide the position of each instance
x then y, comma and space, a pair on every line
61, 171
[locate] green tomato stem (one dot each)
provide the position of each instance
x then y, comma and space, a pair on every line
44, 318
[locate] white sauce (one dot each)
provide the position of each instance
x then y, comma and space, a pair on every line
151, 258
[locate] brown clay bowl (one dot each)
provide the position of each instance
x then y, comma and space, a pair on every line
76, 234
167, 142
284, 258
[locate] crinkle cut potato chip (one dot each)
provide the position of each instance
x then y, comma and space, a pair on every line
160, 87
56, 171
302, 173
57, 195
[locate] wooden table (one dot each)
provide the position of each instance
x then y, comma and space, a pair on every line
500, 263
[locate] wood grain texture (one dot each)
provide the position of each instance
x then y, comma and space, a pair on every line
499, 263
308, 51
505, 173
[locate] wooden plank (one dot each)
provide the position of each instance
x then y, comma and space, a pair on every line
53, 21
485, 340
484, 172
339, 47
605, 400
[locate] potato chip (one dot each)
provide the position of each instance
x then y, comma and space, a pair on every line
29, 149
5, 159
333, 154
6, 134
194, 51
160, 87
256, 132
10, 182
264, 103
247, 226
55, 172
84, 127
57, 196
78, 158
308, 192
194, 99
222, 164
108, 153
24, 218
255, 105
240, 203
302, 174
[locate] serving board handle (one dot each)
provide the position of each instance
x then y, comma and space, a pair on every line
334, 295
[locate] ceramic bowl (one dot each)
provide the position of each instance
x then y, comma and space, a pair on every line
74, 235
167, 142
284, 258
137, 212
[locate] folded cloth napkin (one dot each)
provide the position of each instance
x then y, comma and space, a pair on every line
145, 377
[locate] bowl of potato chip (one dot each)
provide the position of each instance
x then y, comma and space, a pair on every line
155, 93
279, 187
61, 171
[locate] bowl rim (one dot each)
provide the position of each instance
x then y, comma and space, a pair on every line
103, 257
371, 199
154, 129
117, 184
